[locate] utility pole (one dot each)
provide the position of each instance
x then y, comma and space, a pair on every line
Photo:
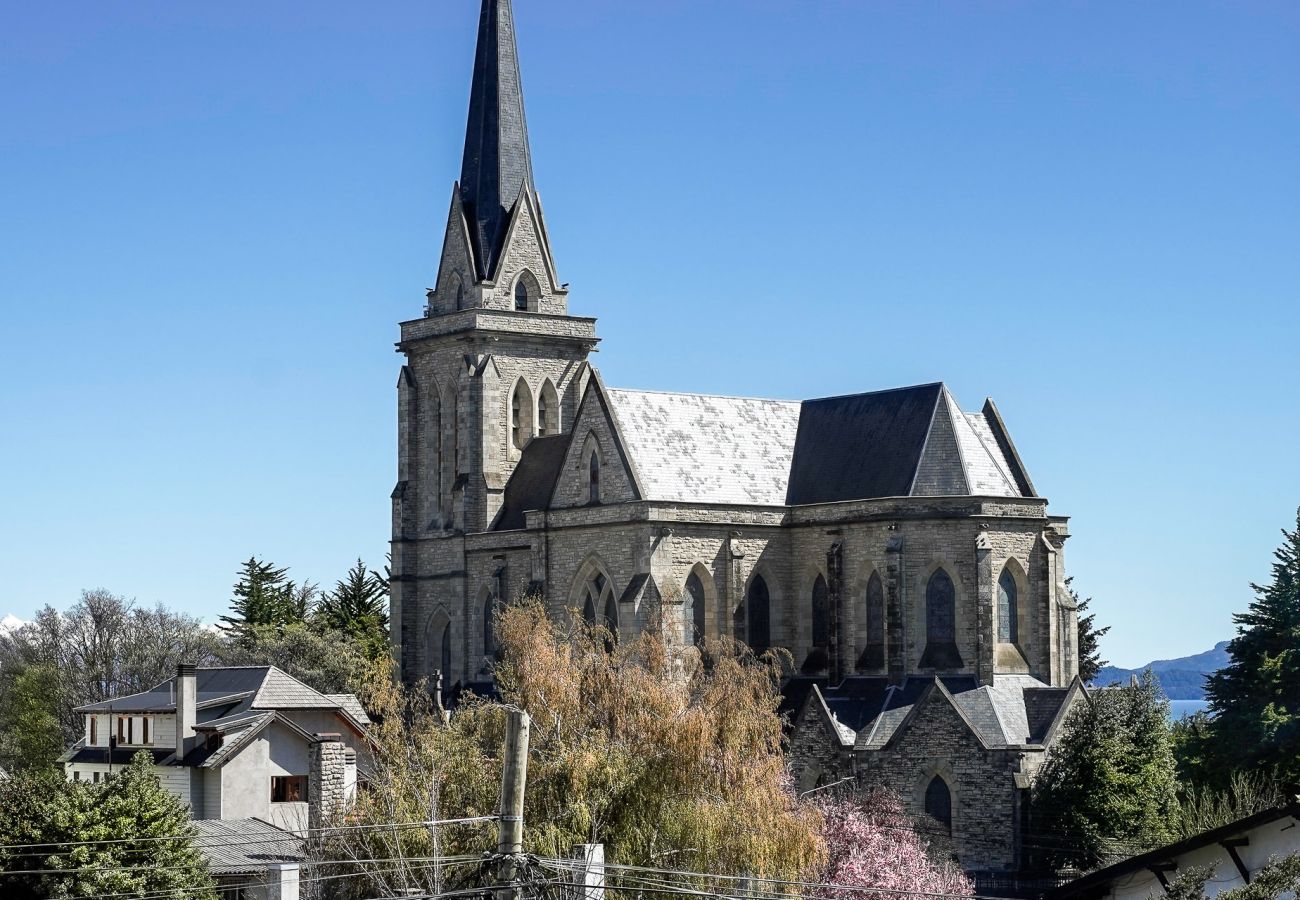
510, 828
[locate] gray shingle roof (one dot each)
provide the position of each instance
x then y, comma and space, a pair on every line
245, 846
533, 480
696, 448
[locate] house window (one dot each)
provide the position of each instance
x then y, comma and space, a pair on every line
593, 479
212, 741
95, 778
76, 776
940, 609
758, 606
94, 730
288, 788
696, 615
125, 731
938, 803
1008, 613
144, 730
521, 295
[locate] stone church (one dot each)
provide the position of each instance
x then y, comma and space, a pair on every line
891, 541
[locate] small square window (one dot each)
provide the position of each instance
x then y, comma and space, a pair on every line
288, 788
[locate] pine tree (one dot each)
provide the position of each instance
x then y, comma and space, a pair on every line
264, 597
1090, 661
1108, 787
358, 606
1255, 699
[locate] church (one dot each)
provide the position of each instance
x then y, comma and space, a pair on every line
892, 542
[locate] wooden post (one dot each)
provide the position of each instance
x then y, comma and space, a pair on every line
510, 829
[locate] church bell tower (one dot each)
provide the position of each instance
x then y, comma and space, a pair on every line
495, 361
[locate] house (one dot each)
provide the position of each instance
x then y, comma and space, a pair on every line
1236, 852
890, 535
232, 742
251, 859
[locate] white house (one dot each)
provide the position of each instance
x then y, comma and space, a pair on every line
232, 743
1236, 852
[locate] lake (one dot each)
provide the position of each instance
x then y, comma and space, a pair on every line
1181, 709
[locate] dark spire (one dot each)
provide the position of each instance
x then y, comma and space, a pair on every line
497, 163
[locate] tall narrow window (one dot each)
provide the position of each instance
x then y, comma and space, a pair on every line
940, 609
938, 803
94, 730
821, 614
593, 479
600, 606
446, 657
758, 607
548, 409
144, 730
696, 614
521, 415
521, 295
489, 627
875, 610
1008, 613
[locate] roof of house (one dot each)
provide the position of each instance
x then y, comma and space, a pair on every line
245, 846
699, 448
1093, 884
868, 712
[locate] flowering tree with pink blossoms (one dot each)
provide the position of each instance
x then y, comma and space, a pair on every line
870, 843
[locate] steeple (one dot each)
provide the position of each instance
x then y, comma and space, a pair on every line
497, 165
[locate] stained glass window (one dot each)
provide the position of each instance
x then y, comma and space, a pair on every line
875, 610
821, 614
940, 609
1008, 612
938, 803
758, 606
696, 614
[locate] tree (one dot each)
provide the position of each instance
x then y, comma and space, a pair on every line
329, 661
641, 747
1090, 661
123, 837
1108, 787
1255, 700
358, 606
870, 843
30, 734
264, 597
104, 646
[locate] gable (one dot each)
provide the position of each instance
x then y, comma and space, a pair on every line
525, 249
594, 429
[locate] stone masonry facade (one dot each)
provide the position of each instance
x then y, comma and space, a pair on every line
520, 473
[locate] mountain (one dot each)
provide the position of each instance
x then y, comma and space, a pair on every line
1182, 678
10, 623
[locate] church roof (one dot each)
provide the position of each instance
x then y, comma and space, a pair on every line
497, 166
696, 448
532, 481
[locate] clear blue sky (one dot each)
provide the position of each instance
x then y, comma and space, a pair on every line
214, 215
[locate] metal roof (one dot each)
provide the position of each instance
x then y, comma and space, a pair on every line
245, 846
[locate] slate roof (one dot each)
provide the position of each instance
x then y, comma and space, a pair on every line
245, 846
497, 165
697, 448
533, 480
1015, 711
228, 690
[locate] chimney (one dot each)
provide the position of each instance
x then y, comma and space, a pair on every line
187, 698
326, 785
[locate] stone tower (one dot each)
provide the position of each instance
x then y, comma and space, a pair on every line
495, 361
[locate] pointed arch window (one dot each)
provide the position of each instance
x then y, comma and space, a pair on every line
521, 415
433, 474
940, 609
599, 605
821, 615
873, 654
445, 657
548, 410
1008, 612
940, 623
521, 295
758, 606
489, 627
460, 293
593, 479
697, 613
938, 803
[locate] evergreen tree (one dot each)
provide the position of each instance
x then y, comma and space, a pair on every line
1090, 661
1108, 787
1255, 699
102, 839
264, 597
358, 606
